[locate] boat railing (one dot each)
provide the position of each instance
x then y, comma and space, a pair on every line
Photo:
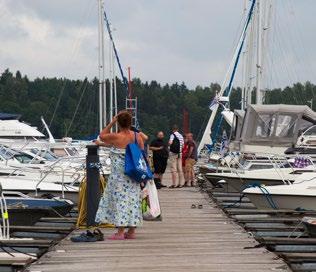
279, 164
53, 167
5, 225
234, 161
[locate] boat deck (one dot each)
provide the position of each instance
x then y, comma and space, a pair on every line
185, 240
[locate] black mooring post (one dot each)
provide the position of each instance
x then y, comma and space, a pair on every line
93, 183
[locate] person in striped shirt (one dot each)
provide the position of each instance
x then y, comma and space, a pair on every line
176, 143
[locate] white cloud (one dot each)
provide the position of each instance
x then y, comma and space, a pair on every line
178, 40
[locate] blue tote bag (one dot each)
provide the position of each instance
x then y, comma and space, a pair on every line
136, 165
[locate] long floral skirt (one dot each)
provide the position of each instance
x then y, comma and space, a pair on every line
120, 204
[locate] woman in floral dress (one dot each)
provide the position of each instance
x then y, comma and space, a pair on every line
120, 204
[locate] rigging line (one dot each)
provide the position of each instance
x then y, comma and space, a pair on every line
294, 80
286, 45
115, 50
282, 54
227, 90
299, 41
78, 104
273, 51
240, 49
270, 55
74, 53
238, 30
58, 102
290, 33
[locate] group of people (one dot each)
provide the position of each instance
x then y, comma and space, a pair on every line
181, 152
120, 204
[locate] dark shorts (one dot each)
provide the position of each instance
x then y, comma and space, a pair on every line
160, 165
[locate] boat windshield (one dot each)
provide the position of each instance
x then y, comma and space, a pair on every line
311, 131
72, 151
25, 158
45, 154
5, 153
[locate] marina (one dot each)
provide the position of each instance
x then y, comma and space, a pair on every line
104, 170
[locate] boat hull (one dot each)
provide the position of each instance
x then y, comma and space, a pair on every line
239, 184
72, 196
291, 202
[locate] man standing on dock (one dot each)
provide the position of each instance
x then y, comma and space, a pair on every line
190, 160
175, 158
160, 158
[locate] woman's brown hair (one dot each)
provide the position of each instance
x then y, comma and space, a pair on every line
124, 119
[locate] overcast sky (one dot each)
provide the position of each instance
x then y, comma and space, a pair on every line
165, 40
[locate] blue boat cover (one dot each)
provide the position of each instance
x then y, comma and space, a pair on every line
9, 116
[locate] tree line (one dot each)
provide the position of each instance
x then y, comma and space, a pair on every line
70, 107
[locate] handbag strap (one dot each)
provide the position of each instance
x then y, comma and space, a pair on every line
135, 140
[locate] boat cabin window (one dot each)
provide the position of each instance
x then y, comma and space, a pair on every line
260, 166
275, 125
265, 125
59, 152
285, 126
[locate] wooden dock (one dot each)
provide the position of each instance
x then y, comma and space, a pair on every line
186, 240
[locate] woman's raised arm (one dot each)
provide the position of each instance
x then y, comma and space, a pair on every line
106, 136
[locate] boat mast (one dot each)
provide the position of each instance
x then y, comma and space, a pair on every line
103, 68
115, 92
244, 68
111, 79
259, 53
102, 88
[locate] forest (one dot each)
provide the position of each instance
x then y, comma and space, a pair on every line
70, 107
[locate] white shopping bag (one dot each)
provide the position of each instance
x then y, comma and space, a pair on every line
150, 191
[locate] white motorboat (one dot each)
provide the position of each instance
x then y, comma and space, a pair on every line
34, 167
34, 188
238, 179
299, 195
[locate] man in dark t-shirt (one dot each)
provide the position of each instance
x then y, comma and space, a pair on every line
160, 158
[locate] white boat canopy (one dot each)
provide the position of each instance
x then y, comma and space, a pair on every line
274, 125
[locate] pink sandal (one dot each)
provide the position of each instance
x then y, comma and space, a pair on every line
116, 236
129, 236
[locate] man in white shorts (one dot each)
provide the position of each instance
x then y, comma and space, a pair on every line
175, 157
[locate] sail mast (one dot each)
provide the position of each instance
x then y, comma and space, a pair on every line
100, 62
259, 53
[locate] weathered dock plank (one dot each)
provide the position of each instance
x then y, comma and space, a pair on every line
186, 240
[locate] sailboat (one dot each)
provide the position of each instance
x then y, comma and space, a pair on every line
259, 130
